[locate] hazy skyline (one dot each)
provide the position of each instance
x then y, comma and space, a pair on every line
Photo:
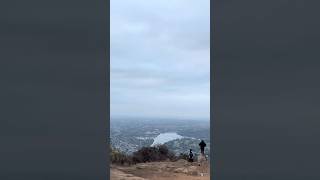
160, 59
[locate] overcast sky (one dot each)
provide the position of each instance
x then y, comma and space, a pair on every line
160, 58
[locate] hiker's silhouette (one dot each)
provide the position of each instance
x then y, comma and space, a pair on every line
202, 144
190, 156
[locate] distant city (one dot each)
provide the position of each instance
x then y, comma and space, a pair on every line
129, 135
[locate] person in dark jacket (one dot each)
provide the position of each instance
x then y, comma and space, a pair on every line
202, 144
190, 156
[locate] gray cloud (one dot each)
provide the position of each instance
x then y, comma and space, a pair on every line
160, 59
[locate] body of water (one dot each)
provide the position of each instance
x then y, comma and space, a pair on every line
165, 137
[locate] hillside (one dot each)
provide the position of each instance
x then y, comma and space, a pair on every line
179, 170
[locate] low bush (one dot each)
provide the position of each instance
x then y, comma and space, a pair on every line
145, 154
120, 158
149, 154
183, 156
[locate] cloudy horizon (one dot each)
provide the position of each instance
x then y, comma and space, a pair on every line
160, 59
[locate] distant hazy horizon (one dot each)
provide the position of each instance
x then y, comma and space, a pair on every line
160, 59
157, 118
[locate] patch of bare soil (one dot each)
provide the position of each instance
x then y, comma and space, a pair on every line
119, 175
180, 170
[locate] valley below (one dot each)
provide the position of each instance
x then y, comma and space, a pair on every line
179, 136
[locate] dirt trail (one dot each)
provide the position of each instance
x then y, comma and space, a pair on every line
119, 175
180, 170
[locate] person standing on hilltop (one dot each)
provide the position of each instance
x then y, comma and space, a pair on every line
202, 144
190, 156
202, 157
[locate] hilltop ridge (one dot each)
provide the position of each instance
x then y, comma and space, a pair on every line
167, 170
